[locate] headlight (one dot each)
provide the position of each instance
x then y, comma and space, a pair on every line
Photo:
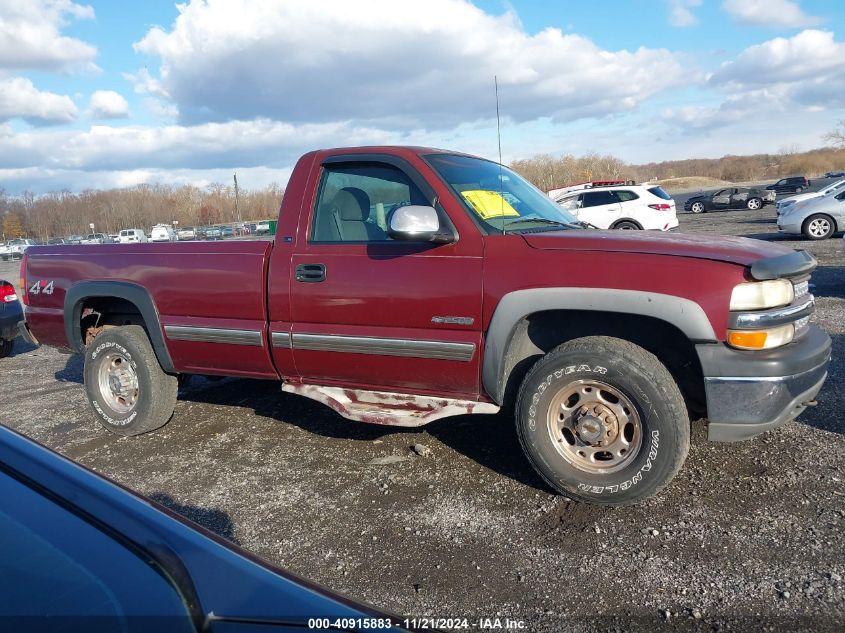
759, 295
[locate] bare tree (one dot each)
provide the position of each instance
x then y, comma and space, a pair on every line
836, 136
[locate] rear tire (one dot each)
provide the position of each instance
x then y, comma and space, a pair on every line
818, 227
626, 225
128, 391
6, 346
754, 204
602, 421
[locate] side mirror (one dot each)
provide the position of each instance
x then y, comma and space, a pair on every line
417, 223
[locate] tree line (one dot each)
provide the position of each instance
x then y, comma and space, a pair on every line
548, 172
64, 213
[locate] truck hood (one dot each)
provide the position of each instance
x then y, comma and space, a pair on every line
736, 250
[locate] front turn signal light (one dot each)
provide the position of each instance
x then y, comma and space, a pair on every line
761, 339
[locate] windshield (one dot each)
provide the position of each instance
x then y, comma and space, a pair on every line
835, 187
499, 198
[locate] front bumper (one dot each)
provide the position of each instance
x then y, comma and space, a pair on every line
749, 392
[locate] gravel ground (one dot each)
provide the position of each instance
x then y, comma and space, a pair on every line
747, 537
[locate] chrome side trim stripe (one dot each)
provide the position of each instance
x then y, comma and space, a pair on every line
281, 339
440, 350
213, 335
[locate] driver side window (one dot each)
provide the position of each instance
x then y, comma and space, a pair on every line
355, 202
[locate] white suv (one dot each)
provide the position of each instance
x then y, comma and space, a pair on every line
622, 207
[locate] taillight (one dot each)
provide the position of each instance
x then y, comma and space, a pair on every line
661, 206
7, 293
24, 298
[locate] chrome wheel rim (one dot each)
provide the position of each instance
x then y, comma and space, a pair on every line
697, 207
118, 383
754, 204
594, 426
819, 227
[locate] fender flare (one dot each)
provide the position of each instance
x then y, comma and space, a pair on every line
133, 293
684, 314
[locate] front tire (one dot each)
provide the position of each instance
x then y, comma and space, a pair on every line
754, 204
127, 389
602, 421
818, 227
697, 207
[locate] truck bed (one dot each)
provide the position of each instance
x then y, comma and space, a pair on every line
191, 284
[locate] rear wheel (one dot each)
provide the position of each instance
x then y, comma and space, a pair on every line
603, 421
799, 189
128, 391
754, 203
6, 347
818, 227
697, 207
627, 225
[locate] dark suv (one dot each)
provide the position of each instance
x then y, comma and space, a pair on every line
793, 184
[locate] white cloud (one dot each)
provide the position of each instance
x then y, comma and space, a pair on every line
19, 98
397, 66
107, 104
807, 59
681, 14
30, 35
772, 13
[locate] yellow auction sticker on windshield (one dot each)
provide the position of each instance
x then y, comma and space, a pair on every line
489, 204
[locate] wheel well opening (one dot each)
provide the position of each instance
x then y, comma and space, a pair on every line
539, 333
99, 313
627, 220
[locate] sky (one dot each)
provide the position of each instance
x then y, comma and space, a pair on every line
113, 94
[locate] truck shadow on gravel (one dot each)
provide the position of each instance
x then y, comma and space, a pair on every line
72, 371
829, 281
489, 440
21, 347
212, 519
828, 414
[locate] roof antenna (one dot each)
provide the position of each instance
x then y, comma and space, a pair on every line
499, 138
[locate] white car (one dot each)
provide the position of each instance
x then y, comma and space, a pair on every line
131, 236
15, 248
632, 207
4, 251
832, 188
162, 233
187, 233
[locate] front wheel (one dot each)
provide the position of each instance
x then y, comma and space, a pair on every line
754, 203
603, 421
128, 391
818, 227
697, 207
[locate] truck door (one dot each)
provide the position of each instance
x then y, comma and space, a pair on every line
600, 208
375, 313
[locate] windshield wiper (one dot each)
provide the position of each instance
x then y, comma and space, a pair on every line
538, 221
585, 225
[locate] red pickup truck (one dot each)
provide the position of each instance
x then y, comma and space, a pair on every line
407, 284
